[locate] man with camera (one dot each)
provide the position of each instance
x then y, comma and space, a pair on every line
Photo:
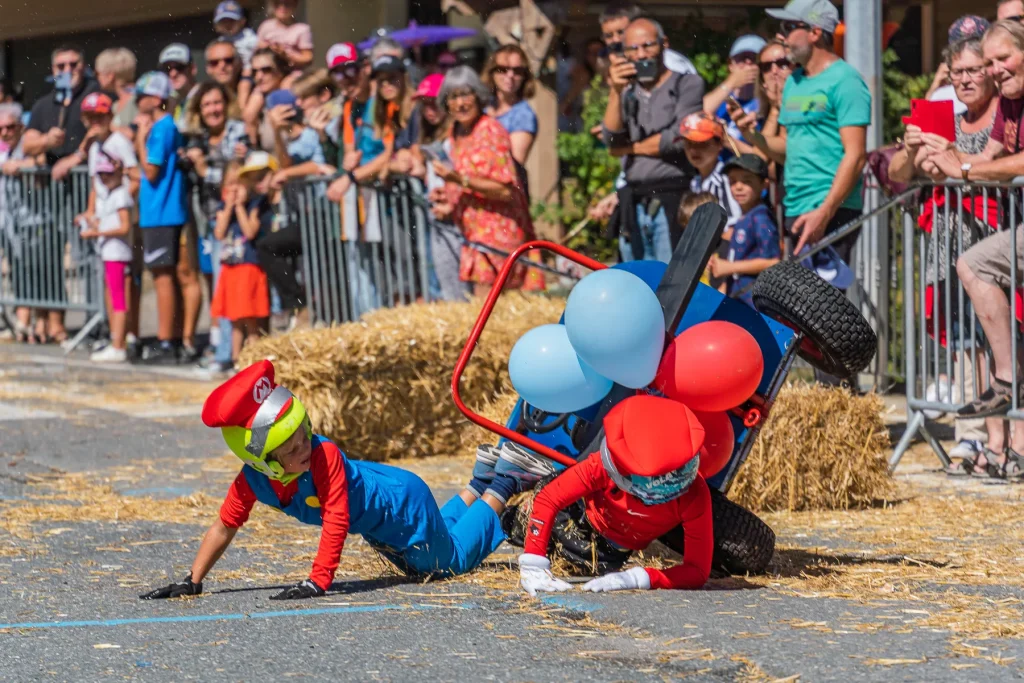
646, 104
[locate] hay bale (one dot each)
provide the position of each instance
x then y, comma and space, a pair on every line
821, 448
379, 387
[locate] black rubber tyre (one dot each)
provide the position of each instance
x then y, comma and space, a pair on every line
839, 341
743, 543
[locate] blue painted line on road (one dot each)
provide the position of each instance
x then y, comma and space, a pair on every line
238, 616
571, 603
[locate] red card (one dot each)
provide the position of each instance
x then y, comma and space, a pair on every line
933, 117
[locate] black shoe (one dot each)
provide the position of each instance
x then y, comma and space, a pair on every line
164, 353
189, 355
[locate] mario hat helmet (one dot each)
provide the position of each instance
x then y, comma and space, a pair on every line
651, 448
256, 416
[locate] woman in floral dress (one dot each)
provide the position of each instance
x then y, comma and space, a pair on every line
483, 196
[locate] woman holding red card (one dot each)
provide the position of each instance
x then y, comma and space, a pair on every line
979, 441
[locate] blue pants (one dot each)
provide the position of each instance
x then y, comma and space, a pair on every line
655, 234
461, 537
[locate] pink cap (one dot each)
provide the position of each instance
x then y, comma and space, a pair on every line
430, 86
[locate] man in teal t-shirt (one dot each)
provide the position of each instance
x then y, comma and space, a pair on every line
826, 109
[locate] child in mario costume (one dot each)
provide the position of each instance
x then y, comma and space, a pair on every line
307, 477
640, 485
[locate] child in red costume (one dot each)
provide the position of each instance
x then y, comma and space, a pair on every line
641, 484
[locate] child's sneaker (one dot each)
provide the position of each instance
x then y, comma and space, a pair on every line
108, 354
519, 463
486, 460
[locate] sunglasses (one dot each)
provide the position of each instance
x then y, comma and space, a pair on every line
781, 62
790, 26
66, 66
264, 70
172, 67
227, 61
520, 71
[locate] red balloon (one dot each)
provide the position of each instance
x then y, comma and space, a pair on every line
719, 442
710, 367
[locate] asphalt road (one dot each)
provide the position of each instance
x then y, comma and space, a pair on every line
71, 574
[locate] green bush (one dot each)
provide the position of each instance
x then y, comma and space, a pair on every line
898, 89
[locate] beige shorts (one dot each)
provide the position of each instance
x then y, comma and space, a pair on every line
989, 259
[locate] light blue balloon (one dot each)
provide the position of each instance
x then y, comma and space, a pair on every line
549, 375
617, 327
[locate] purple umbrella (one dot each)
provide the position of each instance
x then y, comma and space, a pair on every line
414, 34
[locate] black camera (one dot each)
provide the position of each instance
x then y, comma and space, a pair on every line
646, 70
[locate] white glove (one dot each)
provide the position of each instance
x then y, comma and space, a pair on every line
629, 580
535, 575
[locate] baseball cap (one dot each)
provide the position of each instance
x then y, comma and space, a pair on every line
341, 54
96, 103
107, 164
429, 86
259, 161
178, 53
747, 44
229, 9
153, 84
830, 268
820, 13
700, 127
967, 26
748, 162
388, 64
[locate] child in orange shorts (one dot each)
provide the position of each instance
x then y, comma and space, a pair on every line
242, 295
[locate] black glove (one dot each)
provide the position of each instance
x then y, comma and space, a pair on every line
300, 591
175, 590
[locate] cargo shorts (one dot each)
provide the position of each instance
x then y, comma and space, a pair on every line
989, 259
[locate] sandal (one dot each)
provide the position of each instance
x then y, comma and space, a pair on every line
991, 469
995, 400
1013, 469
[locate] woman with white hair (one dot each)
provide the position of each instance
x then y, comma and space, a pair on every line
483, 196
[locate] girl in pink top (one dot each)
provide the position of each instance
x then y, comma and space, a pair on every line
289, 38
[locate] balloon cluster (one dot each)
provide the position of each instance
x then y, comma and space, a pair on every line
614, 333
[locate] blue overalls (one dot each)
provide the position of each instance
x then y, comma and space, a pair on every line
395, 512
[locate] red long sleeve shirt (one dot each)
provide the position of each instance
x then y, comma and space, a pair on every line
624, 520
328, 470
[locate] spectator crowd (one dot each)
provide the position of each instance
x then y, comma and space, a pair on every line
189, 172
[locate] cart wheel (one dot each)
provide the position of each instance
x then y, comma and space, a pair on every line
743, 543
837, 338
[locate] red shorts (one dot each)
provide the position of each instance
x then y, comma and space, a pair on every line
242, 292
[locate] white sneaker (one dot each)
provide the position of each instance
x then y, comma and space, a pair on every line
109, 355
966, 449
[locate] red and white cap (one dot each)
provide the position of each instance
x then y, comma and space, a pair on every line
97, 103
341, 54
650, 436
236, 402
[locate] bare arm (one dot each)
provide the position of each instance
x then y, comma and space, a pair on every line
34, 142
522, 143
373, 168
124, 227
220, 228
644, 148
249, 221
215, 542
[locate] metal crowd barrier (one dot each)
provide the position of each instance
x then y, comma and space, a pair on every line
369, 252
44, 264
948, 361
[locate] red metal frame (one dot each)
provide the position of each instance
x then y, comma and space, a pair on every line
478, 328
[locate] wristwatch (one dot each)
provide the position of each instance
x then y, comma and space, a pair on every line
965, 170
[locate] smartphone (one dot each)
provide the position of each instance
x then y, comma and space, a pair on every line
733, 102
646, 70
616, 48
